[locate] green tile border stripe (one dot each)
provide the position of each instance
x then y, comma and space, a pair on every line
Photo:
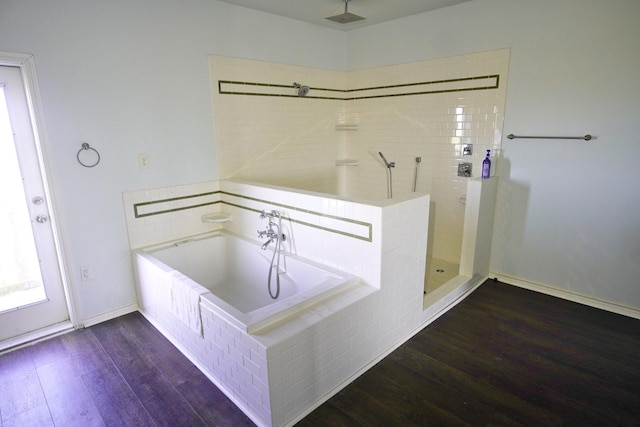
368, 225
353, 98
173, 199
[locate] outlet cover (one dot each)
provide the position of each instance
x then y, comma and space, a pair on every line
86, 274
143, 160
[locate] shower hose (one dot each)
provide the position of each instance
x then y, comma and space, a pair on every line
276, 250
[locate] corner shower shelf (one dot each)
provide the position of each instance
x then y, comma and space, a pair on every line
217, 217
346, 162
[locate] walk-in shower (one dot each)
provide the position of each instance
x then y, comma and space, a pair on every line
430, 109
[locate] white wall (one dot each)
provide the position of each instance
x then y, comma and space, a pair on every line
568, 212
131, 77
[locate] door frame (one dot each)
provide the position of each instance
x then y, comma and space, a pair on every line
26, 65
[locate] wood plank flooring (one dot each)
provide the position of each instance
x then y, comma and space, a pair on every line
119, 373
504, 356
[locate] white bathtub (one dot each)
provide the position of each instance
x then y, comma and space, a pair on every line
235, 271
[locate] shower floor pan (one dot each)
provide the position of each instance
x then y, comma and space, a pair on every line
440, 272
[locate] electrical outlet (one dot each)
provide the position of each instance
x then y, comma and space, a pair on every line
143, 160
86, 274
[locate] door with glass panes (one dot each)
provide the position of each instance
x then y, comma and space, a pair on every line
31, 290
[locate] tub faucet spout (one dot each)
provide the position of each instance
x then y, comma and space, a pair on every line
272, 235
265, 233
264, 246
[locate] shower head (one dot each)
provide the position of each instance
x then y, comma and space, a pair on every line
302, 90
346, 17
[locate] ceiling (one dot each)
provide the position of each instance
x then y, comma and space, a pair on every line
315, 11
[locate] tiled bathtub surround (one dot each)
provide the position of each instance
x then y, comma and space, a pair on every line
165, 214
281, 372
293, 141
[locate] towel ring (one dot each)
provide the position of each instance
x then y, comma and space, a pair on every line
85, 147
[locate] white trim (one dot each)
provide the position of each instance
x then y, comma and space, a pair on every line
570, 296
26, 64
14, 59
29, 338
111, 314
62, 328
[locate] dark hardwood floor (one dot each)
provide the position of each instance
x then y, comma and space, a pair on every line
503, 356
119, 373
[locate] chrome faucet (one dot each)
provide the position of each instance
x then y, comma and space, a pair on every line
270, 233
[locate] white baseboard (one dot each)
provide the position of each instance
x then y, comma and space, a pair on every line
112, 314
61, 328
570, 296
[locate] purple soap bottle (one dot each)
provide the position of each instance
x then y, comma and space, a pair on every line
486, 166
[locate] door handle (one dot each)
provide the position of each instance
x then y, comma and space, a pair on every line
41, 219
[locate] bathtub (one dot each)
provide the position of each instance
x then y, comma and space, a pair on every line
233, 274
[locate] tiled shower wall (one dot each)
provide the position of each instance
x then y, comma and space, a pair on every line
293, 141
275, 139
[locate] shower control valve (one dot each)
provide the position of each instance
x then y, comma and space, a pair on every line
464, 169
270, 214
271, 234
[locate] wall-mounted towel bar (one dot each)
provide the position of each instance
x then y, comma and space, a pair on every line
586, 137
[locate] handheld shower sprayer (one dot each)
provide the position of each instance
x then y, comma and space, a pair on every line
387, 164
